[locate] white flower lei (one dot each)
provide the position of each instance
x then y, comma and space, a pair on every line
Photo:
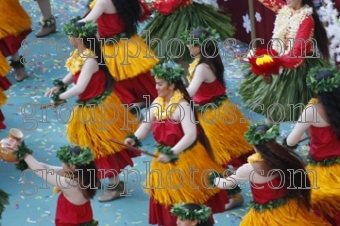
287, 24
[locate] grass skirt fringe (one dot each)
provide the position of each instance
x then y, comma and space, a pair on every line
225, 128
288, 88
88, 126
128, 59
13, 18
167, 27
179, 184
4, 83
327, 197
290, 214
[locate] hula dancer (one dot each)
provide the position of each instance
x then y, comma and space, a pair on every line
181, 146
124, 51
322, 119
99, 115
276, 202
75, 180
192, 214
219, 117
283, 97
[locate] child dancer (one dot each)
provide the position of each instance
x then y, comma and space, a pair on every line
279, 184
192, 214
184, 153
99, 114
76, 179
322, 119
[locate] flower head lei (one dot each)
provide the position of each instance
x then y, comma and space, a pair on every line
89, 29
201, 215
325, 84
171, 75
84, 158
202, 40
261, 133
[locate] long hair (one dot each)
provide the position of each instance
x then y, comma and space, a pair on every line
320, 33
284, 159
93, 44
210, 55
129, 11
201, 137
330, 102
87, 176
194, 206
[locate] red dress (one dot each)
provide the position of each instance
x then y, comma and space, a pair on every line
169, 134
69, 214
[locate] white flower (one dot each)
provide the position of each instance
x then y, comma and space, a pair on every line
246, 23
258, 17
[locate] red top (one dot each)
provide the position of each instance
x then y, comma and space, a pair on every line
69, 214
95, 87
269, 191
167, 133
208, 92
166, 7
111, 24
305, 32
324, 143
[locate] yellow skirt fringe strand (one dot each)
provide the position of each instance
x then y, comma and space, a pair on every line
13, 18
327, 197
4, 69
225, 128
87, 127
178, 182
290, 214
128, 58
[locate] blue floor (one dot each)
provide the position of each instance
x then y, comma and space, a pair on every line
46, 60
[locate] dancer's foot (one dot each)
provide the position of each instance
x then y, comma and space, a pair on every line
47, 27
238, 200
20, 74
110, 195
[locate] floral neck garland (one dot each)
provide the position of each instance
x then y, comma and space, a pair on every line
76, 61
168, 110
287, 24
192, 68
255, 158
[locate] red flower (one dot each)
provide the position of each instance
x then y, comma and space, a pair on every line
265, 62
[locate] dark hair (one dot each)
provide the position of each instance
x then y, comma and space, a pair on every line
130, 12
96, 48
320, 33
201, 137
210, 55
87, 176
284, 159
194, 206
331, 102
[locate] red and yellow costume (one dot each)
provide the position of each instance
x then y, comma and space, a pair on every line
184, 186
129, 61
93, 126
225, 125
15, 25
324, 163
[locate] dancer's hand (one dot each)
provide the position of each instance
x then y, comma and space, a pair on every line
129, 141
50, 92
10, 143
163, 158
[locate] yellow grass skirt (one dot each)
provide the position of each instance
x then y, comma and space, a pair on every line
327, 198
177, 183
96, 133
13, 18
286, 215
225, 128
4, 69
128, 58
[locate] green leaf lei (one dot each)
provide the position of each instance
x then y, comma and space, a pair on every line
20, 154
138, 143
166, 150
258, 138
4, 197
88, 30
325, 85
84, 158
326, 162
284, 143
170, 75
203, 40
182, 213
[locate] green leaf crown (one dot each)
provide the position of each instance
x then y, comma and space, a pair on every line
201, 215
259, 137
325, 84
84, 158
89, 29
202, 40
169, 74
